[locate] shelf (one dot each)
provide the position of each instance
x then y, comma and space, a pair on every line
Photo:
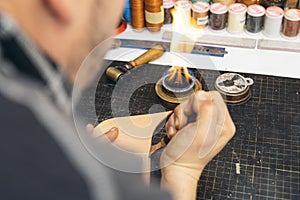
261, 55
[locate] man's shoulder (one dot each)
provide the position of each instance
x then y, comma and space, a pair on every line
31, 159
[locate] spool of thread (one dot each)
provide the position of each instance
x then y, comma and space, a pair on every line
207, 1
291, 4
247, 2
127, 12
154, 14
183, 12
218, 16
268, 3
255, 17
137, 15
200, 14
236, 18
273, 20
226, 2
168, 6
290, 27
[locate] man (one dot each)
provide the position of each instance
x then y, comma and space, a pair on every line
43, 43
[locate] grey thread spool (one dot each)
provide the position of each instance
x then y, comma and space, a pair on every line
255, 16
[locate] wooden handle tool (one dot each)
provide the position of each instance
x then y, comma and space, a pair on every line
115, 73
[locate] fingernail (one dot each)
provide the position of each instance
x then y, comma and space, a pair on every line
201, 96
90, 128
114, 129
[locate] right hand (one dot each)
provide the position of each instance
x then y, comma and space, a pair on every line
194, 143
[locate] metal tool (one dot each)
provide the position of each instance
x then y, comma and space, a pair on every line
146, 44
116, 72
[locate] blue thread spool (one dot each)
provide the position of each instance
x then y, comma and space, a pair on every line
127, 11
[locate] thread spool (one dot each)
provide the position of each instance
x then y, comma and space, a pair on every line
200, 14
273, 19
255, 16
291, 4
168, 6
183, 13
290, 27
137, 15
236, 18
226, 2
127, 11
154, 14
218, 16
247, 2
268, 3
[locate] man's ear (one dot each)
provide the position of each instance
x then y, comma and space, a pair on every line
60, 9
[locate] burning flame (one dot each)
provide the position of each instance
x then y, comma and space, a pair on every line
176, 73
183, 40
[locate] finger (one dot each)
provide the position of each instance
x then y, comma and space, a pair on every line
225, 123
90, 128
187, 111
221, 126
207, 136
182, 113
170, 127
110, 136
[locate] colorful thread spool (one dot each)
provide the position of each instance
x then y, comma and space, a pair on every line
218, 16
183, 13
137, 15
168, 6
255, 17
226, 2
154, 14
200, 14
273, 20
290, 27
236, 18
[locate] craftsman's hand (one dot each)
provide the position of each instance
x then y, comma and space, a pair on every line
199, 129
110, 135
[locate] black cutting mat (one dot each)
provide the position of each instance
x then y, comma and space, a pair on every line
266, 144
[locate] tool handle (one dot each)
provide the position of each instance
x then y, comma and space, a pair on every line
151, 54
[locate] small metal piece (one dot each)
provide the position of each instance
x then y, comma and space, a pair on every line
114, 74
128, 66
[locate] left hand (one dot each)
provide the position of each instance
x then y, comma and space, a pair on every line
111, 135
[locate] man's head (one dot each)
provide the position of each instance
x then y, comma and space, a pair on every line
66, 30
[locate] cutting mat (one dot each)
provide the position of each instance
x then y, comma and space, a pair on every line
266, 144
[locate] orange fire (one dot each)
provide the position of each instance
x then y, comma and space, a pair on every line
176, 73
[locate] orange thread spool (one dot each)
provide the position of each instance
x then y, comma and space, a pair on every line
137, 15
154, 14
200, 14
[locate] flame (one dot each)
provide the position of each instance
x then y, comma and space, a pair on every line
176, 73
183, 40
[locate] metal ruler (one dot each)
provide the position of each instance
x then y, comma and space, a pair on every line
219, 40
181, 47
